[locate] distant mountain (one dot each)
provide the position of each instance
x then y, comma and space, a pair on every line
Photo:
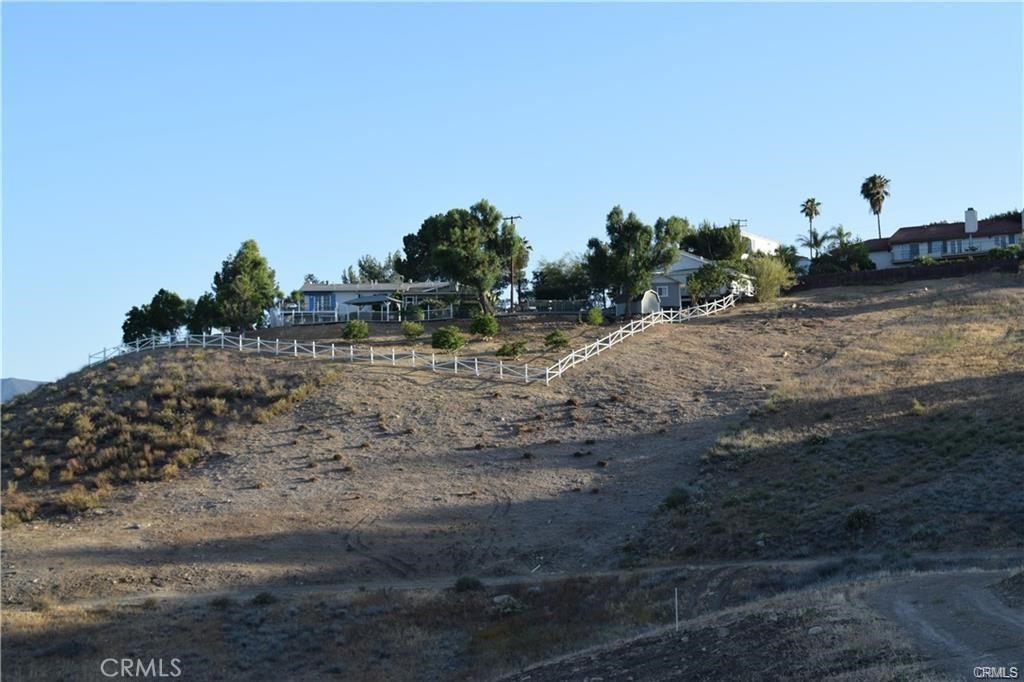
13, 387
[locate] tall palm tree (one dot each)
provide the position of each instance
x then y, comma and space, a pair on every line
874, 190
814, 242
811, 209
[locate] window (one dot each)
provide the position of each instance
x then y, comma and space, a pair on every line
662, 291
937, 248
1005, 239
955, 246
316, 302
907, 252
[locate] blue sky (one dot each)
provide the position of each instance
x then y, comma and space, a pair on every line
143, 143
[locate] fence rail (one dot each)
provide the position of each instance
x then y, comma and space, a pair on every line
456, 365
635, 327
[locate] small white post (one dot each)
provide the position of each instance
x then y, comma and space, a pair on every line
371, 355
433, 363
314, 350
104, 355
222, 340
677, 609
204, 339
351, 353
476, 366
526, 373
392, 356
258, 351
413, 357
277, 346
295, 348
186, 339
501, 368
332, 351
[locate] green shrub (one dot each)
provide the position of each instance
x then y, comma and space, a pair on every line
556, 340
595, 317
860, 520
412, 330
355, 330
484, 325
677, 497
448, 338
771, 276
925, 260
414, 313
512, 349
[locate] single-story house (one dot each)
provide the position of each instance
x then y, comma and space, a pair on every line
945, 240
759, 244
350, 298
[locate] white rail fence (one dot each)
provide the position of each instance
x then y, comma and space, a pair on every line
454, 364
635, 327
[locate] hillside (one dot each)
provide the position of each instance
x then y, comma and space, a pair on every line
789, 446
10, 387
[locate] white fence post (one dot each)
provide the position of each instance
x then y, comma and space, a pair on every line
258, 351
314, 350
476, 366
433, 363
371, 355
413, 357
222, 340
501, 369
526, 373
392, 356
204, 339
186, 340
295, 348
277, 346
351, 353
239, 342
332, 351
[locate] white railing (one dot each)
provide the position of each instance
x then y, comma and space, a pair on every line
635, 327
327, 351
301, 317
375, 356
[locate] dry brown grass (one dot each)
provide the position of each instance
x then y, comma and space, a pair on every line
142, 418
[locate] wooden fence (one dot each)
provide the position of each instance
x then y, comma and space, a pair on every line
901, 274
471, 366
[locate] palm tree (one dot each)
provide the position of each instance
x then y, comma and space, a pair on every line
874, 190
811, 209
840, 236
814, 242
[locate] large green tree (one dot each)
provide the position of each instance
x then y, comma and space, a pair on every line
167, 312
811, 208
205, 315
815, 242
718, 243
562, 279
245, 288
137, 324
875, 190
633, 253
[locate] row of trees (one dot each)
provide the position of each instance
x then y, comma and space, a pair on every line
874, 190
243, 290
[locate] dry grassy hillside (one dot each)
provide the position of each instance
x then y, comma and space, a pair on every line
733, 457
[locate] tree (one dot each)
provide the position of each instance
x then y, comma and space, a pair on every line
850, 257
350, 276
633, 253
717, 243
707, 281
811, 208
514, 253
839, 236
137, 324
563, 279
245, 288
204, 316
875, 190
167, 312
789, 256
312, 279
814, 242
418, 263
373, 270
771, 277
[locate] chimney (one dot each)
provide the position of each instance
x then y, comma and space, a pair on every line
970, 221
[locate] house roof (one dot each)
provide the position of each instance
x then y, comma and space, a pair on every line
368, 299
375, 287
876, 244
678, 264
926, 233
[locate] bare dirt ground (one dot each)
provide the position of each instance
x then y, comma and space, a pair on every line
397, 477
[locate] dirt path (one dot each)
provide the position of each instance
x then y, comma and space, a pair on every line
956, 619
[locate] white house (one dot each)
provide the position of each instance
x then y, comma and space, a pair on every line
942, 241
759, 244
671, 284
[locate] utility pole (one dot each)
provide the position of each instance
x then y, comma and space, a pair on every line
512, 264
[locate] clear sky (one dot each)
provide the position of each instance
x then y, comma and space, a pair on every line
143, 143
